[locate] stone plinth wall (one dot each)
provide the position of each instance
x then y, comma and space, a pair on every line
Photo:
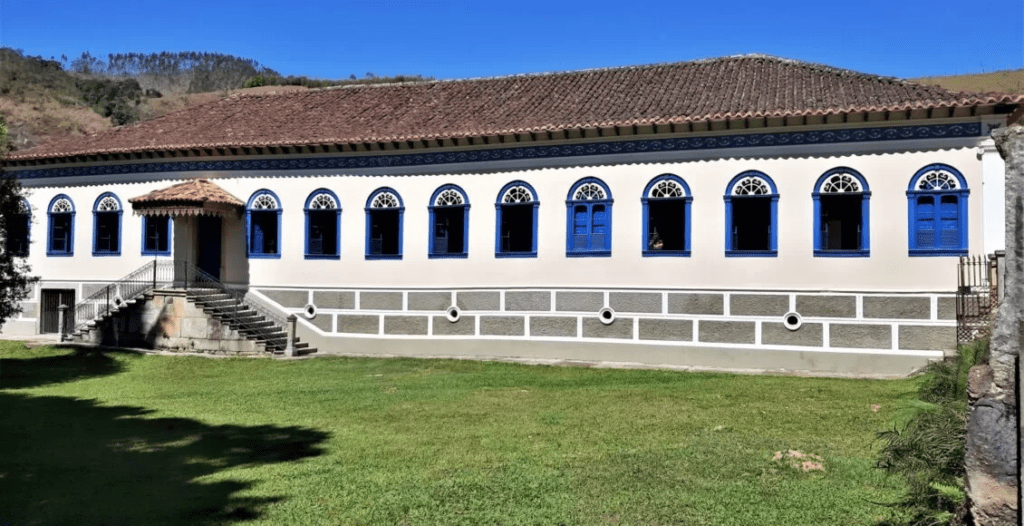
167, 320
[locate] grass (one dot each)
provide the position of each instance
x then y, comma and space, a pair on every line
121, 438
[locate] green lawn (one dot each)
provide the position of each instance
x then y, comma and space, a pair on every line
121, 438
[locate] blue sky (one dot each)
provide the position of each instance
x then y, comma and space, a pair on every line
457, 39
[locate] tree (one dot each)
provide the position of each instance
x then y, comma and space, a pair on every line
15, 279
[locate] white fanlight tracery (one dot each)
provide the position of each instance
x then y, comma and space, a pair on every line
752, 186
323, 201
385, 200
62, 206
667, 188
449, 197
937, 180
265, 202
840, 183
517, 194
108, 204
589, 192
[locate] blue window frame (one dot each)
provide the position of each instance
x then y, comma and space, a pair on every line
842, 218
60, 236
666, 203
384, 213
156, 236
106, 220
937, 212
751, 216
16, 237
449, 223
516, 221
588, 219
263, 225
323, 225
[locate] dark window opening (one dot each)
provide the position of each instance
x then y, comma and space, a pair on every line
107, 232
156, 234
517, 228
666, 225
60, 233
449, 230
384, 229
841, 222
16, 243
751, 223
263, 233
323, 233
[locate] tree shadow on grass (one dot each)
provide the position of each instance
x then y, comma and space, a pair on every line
69, 461
81, 364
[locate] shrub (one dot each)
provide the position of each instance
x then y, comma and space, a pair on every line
927, 441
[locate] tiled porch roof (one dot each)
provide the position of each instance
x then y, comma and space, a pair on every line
741, 87
199, 196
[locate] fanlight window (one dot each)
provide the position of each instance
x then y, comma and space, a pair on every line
937, 199
449, 197
841, 214
938, 180
667, 188
840, 183
264, 202
108, 204
323, 201
517, 194
385, 200
752, 186
589, 192
323, 221
61, 206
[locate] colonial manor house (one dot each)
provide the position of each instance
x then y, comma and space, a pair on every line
746, 212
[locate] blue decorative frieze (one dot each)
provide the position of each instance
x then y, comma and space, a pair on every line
936, 131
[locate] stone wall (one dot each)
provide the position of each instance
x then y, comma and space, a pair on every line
993, 441
167, 320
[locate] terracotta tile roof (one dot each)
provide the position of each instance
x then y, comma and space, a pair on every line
197, 192
714, 89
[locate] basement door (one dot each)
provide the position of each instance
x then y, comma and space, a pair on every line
50, 316
209, 239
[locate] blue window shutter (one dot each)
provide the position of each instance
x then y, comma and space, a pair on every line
257, 235
599, 236
925, 227
581, 228
948, 222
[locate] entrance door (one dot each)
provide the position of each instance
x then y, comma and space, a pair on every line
208, 238
51, 299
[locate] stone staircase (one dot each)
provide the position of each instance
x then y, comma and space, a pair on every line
230, 311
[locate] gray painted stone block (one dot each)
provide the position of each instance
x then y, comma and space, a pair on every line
579, 302
690, 303
671, 330
530, 300
405, 324
289, 299
502, 325
478, 300
927, 338
30, 309
380, 300
809, 334
758, 304
331, 299
827, 306
947, 308
899, 307
357, 324
860, 336
635, 301
324, 322
725, 331
437, 301
466, 326
622, 328
553, 326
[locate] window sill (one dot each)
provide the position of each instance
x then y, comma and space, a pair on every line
105, 254
501, 255
383, 256
323, 256
666, 253
448, 256
590, 254
842, 253
60, 254
156, 253
751, 253
264, 256
920, 252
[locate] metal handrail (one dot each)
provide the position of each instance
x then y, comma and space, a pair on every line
116, 294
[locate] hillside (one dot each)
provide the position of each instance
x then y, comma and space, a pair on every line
1009, 81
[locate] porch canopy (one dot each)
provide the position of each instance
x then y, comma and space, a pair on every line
191, 198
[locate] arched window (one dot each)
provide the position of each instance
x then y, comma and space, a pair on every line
323, 225
751, 216
449, 222
156, 235
106, 231
61, 234
937, 211
384, 211
588, 219
516, 208
16, 240
263, 225
666, 203
841, 219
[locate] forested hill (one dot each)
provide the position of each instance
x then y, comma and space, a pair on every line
48, 99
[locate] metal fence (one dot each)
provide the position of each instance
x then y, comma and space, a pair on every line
977, 297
